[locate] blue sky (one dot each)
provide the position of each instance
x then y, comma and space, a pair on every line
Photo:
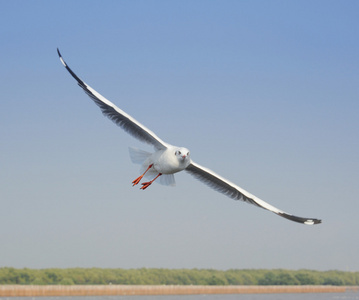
264, 93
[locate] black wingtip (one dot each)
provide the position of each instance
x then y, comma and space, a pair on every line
312, 222
306, 221
79, 81
61, 59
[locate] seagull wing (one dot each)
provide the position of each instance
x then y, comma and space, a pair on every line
117, 115
233, 191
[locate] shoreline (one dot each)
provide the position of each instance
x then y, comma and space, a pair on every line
123, 290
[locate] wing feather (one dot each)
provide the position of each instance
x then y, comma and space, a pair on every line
233, 191
118, 116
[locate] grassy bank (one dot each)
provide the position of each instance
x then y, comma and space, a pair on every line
96, 276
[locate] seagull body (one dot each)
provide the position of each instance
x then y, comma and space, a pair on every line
168, 160
163, 162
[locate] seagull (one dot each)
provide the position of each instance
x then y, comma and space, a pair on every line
168, 160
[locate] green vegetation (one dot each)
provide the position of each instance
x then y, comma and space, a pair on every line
175, 277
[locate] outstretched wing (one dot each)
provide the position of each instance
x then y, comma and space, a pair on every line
233, 191
117, 115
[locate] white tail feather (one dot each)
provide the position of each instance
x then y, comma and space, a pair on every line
164, 179
138, 156
167, 179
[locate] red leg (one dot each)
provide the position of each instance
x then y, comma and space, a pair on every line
145, 185
137, 180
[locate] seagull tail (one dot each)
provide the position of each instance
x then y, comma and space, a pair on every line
138, 156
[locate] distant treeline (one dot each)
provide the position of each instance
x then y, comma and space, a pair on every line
146, 276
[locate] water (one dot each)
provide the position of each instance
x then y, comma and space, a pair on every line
306, 296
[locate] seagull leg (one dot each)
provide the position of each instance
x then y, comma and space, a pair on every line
137, 180
145, 185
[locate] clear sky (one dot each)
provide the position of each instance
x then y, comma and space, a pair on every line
265, 93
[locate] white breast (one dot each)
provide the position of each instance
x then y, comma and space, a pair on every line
166, 162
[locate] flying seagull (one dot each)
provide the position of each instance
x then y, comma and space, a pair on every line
168, 159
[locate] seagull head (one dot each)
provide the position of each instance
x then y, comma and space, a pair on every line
183, 155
